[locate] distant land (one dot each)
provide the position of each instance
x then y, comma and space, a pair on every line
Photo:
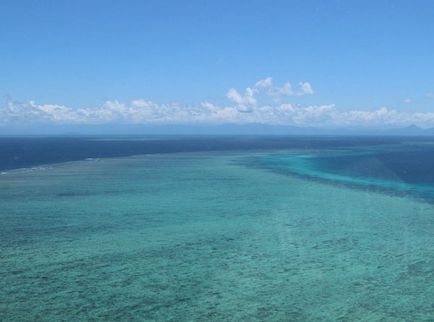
207, 129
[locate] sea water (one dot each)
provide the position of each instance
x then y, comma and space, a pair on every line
281, 230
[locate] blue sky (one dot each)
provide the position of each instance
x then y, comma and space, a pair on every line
357, 56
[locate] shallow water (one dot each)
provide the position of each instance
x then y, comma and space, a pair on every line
207, 236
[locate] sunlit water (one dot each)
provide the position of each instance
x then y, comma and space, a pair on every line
277, 234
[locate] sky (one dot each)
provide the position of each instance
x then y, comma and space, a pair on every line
331, 64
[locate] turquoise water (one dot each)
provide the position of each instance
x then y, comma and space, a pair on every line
397, 169
206, 236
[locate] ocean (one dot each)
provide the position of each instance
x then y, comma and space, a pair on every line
240, 228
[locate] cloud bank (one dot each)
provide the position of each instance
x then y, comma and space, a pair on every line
242, 108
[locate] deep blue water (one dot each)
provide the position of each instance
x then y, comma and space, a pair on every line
411, 164
18, 152
404, 168
401, 165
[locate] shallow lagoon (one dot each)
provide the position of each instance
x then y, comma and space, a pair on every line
206, 235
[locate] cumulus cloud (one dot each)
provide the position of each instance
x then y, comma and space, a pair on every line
266, 87
247, 99
264, 83
147, 112
305, 89
280, 92
242, 109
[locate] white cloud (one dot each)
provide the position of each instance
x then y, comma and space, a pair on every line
265, 87
264, 83
305, 89
147, 112
244, 108
407, 101
245, 100
280, 92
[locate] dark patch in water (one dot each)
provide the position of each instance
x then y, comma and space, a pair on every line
19, 152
